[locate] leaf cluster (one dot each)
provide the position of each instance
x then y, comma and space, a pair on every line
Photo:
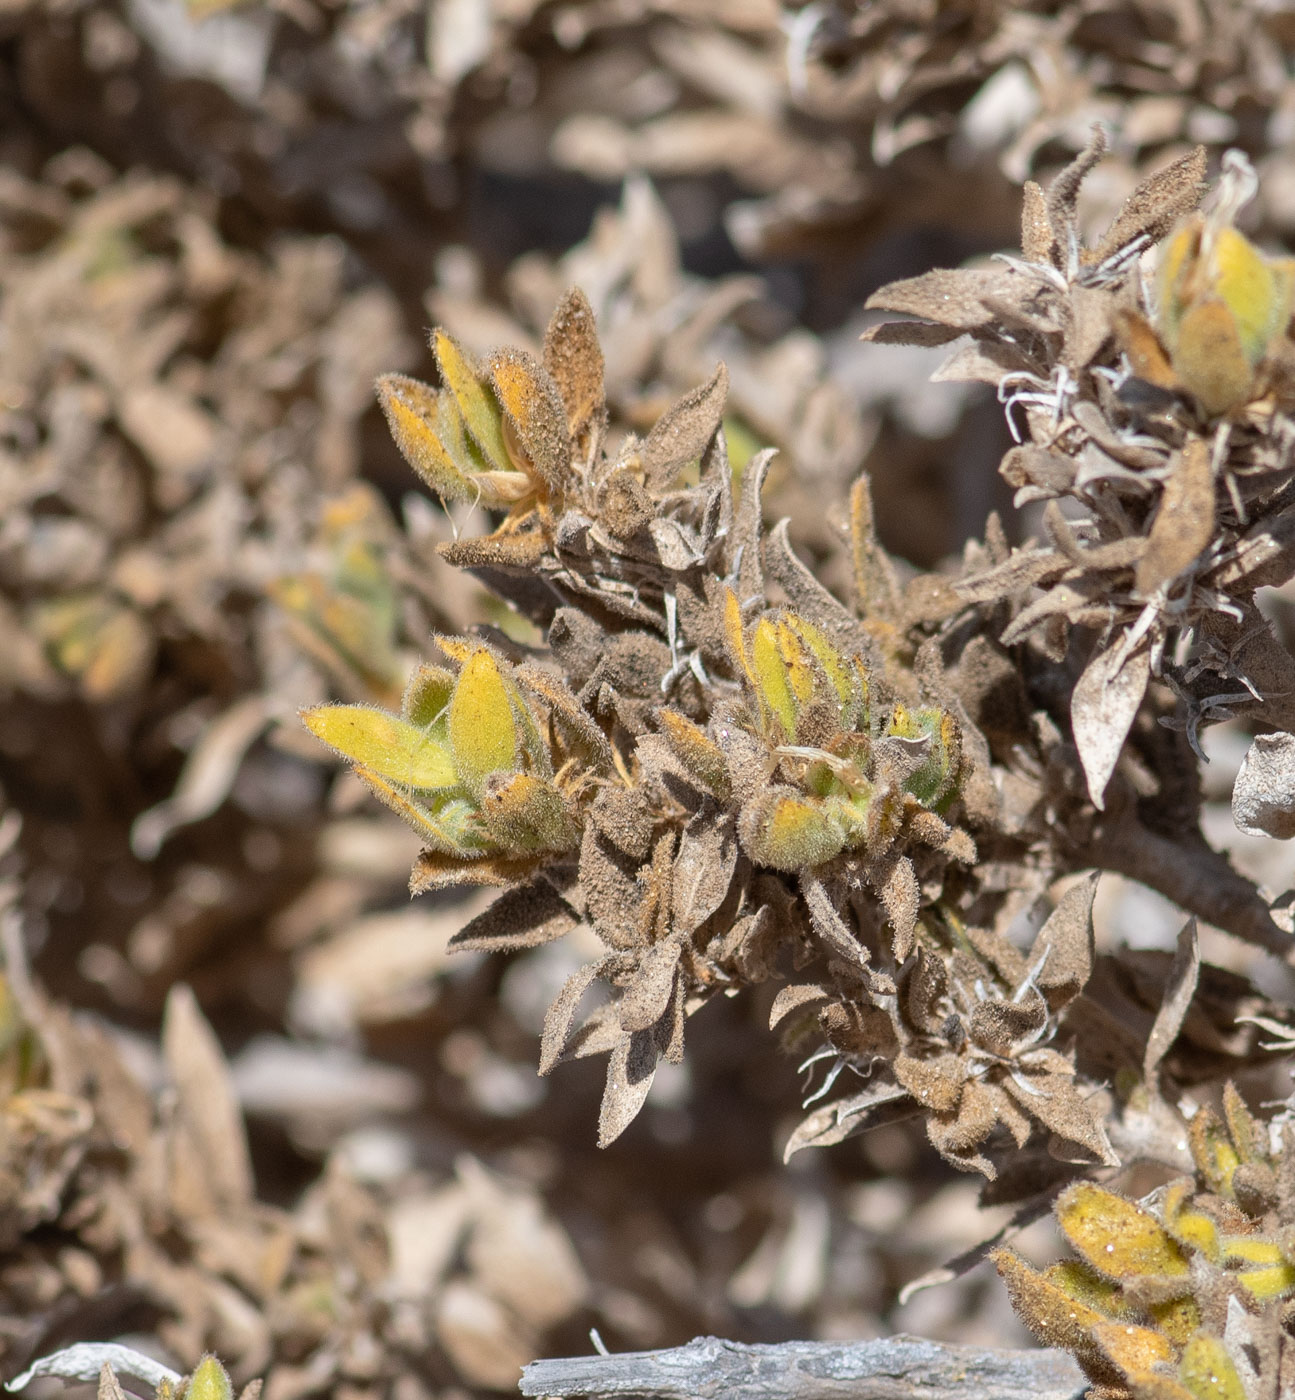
722, 770
1186, 1295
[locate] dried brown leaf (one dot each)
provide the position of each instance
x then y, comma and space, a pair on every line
828, 923
630, 1071
1180, 988
910, 333
875, 580
1063, 948
207, 1106
835, 1122
1056, 1101
1263, 797
645, 1000
1063, 192
520, 918
1037, 241
703, 869
1103, 706
574, 360
896, 882
613, 896
952, 297
536, 413
795, 998
435, 871
935, 1081
1000, 1026
683, 431
558, 1018
1184, 524
807, 596
1156, 205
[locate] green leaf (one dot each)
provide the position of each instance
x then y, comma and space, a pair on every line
391, 747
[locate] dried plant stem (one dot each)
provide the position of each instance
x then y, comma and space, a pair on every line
889, 1368
1197, 878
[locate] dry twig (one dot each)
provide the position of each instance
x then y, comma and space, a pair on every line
888, 1368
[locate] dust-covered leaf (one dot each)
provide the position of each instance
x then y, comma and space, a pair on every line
680, 435
1157, 204
536, 414
703, 869
631, 1069
574, 360
522, 918
834, 1122
644, 1001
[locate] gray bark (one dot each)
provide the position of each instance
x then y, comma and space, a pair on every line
890, 1368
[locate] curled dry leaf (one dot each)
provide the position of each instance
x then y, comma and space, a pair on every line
1263, 797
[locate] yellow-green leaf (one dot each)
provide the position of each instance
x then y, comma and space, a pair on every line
390, 747
783, 830
427, 696
1220, 304
1178, 1319
796, 658
1136, 1351
480, 409
449, 826
525, 813
1055, 1316
697, 751
1118, 1238
1274, 1281
844, 679
1188, 1226
482, 730
1251, 1249
411, 411
771, 676
1207, 1371
209, 1381
1212, 1150
537, 415
1078, 1281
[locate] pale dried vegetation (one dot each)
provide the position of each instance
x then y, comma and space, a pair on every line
838, 713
